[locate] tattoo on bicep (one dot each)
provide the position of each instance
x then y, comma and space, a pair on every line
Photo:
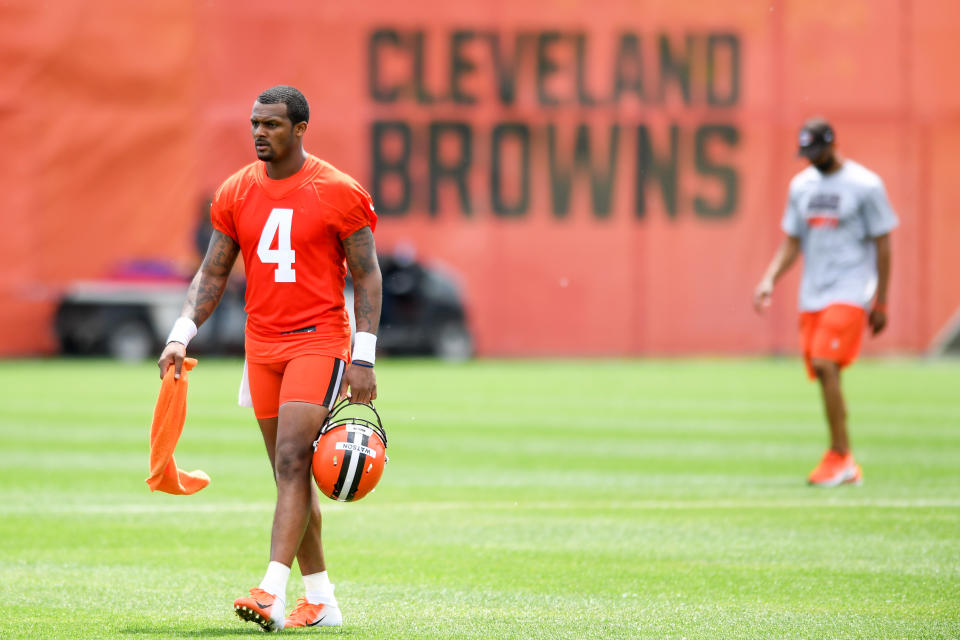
362, 258
361, 252
222, 252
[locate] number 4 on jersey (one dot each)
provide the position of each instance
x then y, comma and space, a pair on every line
278, 224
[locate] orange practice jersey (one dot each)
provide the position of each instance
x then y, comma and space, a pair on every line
290, 233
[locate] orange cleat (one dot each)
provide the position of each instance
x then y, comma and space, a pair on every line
314, 615
856, 478
261, 607
835, 469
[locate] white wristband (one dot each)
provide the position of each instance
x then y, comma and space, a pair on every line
183, 331
365, 347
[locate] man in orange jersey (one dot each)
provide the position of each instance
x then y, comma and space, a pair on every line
838, 215
298, 222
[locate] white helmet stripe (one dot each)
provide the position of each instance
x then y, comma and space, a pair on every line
352, 470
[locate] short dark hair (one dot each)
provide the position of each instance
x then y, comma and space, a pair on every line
297, 108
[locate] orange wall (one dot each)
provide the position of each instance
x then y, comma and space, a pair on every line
119, 117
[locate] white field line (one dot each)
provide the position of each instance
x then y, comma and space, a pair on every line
653, 505
649, 505
137, 508
684, 406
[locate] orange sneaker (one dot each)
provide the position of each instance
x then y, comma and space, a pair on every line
314, 615
856, 478
261, 607
835, 469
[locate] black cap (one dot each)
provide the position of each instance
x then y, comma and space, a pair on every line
815, 135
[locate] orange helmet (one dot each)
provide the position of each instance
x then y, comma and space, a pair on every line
349, 454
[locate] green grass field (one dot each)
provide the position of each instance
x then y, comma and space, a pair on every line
523, 499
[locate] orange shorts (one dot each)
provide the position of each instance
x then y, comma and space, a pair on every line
310, 378
833, 333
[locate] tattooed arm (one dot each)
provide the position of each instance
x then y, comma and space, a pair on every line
204, 293
367, 284
367, 292
211, 280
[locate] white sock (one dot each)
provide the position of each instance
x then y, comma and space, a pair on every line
275, 580
318, 589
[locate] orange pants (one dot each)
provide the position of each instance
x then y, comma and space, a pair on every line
833, 333
310, 378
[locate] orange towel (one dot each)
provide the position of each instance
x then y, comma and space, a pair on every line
168, 418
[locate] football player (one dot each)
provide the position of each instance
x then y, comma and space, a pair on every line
839, 217
298, 222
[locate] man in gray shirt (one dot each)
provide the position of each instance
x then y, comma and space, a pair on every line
839, 217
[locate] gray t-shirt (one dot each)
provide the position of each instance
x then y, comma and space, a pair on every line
836, 217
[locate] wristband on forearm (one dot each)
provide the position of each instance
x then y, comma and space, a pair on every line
365, 347
184, 329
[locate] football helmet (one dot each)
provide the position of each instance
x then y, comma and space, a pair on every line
349, 453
